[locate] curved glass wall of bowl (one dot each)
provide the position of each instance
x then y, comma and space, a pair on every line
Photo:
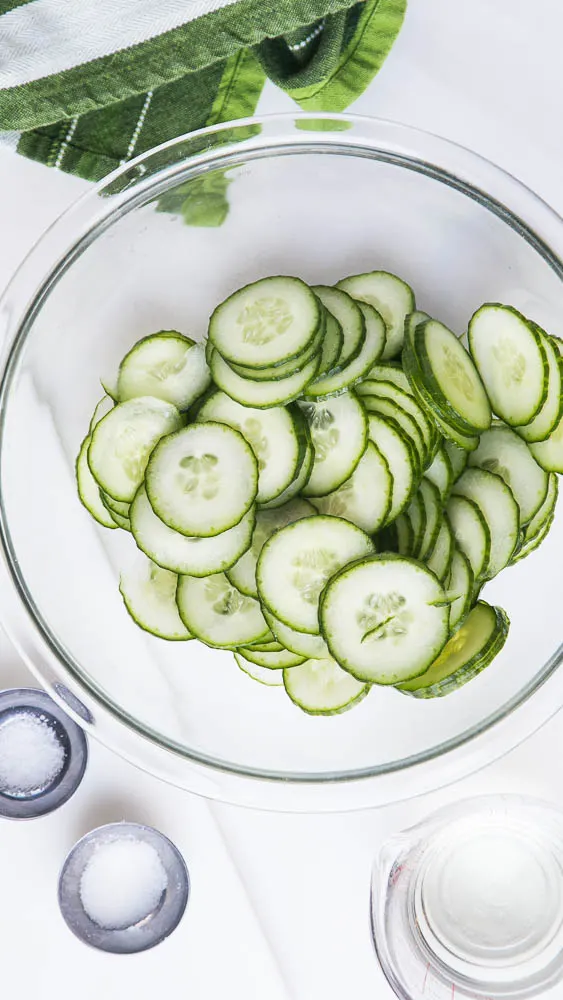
469, 903
43, 754
123, 888
319, 204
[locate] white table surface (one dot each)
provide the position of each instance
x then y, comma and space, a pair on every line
279, 907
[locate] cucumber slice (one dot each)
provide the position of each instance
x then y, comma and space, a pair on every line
350, 317
101, 409
165, 365
115, 505
440, 558
243, 573
123, 440
533, 542
512, 361
296, 562
119, 520
202, 480
184, 555
309, 646
217, 613
451, 378
390, 373
88, 489
300, 481
549, 453
546, 420
454, 436
270, 678
402, 422
321, 687
502, 451
432, 502
109, 385
412, 320
546, 511
458, 458
392, 298
472, 648
384, 618
149, 594
261, 394
339, 433
274, 372
406, 401
332, 346
397, 452
365, 498
271, 659
416, 513
500, 510
471, 532
461, 582
355, 369
266, 323
440, 472
274, 435
405, 535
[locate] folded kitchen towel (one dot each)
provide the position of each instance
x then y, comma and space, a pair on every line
85, 85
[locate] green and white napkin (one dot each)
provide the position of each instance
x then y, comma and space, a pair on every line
85, 85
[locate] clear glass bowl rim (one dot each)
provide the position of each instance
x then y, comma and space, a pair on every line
131, 186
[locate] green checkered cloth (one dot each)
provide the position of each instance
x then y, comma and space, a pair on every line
85, 85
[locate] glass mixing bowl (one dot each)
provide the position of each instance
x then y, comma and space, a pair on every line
320, 198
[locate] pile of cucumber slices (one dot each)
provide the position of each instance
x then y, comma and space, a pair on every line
325, 485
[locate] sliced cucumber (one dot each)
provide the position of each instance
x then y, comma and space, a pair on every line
397, 452
390, 373
412, 320
460, 585
217, 613
119, 520
350, 317
471, 532
261, 394
291, 367
88, 489
407, 402
549, 453
532, 543
416, 512
439, 560
321, 687
512, 362
243, 573
392, 298
303, 643
165, 365
270, 678
296, 562
279, 659
458, 458
332, 345
101, 409
546, 419
301, 479
384, 618
440, 472
502, 451
500, 510
365, 498
472, 648
454, 436
339, 433
274, 435
117, 506
202, 480
432, 502
123, 440
451, 378
182, 554
405, 535
401, 421
355, 369
266, 323
149, 594
546, 511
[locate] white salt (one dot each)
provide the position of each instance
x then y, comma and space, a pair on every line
122, 883
31, 755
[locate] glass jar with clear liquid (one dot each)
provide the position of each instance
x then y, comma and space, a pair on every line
469, 903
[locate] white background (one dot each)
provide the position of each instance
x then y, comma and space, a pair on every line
279, 907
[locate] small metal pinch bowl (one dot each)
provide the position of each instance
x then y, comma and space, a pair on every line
43, 754
117, 934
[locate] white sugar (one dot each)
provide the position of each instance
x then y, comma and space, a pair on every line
31, 755
122, 883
